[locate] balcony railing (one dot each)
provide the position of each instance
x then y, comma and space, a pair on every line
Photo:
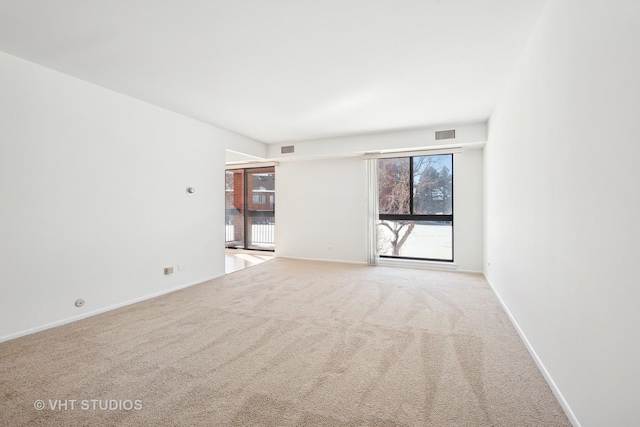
262, 232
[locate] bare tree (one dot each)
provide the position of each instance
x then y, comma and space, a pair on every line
432, 186
394, 197
400, 231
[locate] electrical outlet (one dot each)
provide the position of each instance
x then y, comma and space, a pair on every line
182, 267
168, 270
79, 302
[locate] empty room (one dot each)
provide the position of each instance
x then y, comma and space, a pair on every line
319, 213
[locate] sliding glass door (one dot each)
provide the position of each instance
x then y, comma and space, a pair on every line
250, 208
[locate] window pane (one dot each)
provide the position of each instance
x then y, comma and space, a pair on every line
416, 239
393, 186
260, 212
235, 208
433, 185
261, 184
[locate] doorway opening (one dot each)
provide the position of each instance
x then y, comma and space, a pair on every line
250, 208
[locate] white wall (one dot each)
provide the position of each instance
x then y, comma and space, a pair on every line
466, 134
333, 168
562, 204
92, 189
321, 209
468, 244
321, 204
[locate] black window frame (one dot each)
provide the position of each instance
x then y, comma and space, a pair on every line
422, 217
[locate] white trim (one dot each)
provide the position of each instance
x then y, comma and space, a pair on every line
372, 211
426, 265
470, 271
234, 251
250, 165
554, 388
412, 263
323, 260
102, 310
394, 154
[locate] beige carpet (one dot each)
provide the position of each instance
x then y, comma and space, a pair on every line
286, 343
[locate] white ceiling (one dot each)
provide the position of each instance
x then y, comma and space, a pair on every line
285, 70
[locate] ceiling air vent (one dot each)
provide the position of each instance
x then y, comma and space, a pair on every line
286, 150
445, 134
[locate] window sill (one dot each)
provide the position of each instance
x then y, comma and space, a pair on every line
412, 263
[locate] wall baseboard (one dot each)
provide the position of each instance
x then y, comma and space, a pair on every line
427, 265
102, 310
554, 388
323, 260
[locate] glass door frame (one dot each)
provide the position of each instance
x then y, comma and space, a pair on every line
256, 205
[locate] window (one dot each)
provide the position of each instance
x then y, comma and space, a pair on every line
259, 199
415, 204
